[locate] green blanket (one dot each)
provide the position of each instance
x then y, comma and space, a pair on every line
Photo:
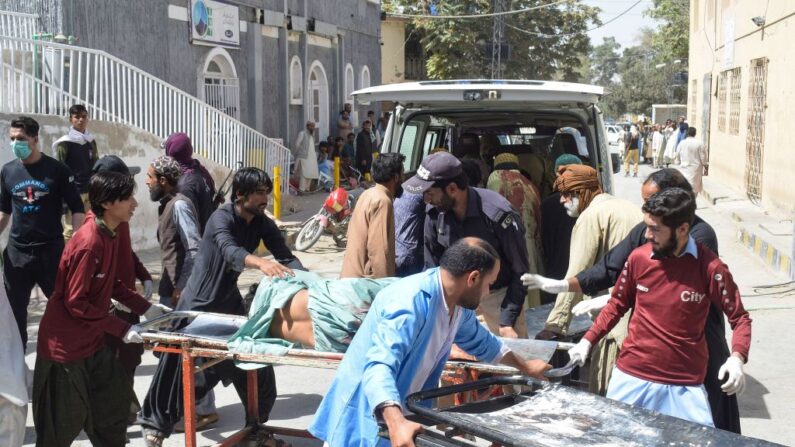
337, 308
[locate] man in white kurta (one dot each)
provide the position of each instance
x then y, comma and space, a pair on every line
13, 377
306, 157
692, 159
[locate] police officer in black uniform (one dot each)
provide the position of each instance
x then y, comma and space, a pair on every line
456, 211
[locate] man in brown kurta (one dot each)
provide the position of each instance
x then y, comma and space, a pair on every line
371, 233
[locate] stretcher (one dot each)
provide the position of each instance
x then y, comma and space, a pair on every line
545, 414
204, 335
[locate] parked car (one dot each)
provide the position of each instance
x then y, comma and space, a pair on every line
521, 116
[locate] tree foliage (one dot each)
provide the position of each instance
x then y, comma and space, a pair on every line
672, 39
644, 78
604, 62
461, 48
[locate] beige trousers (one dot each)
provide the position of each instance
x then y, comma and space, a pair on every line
489, 313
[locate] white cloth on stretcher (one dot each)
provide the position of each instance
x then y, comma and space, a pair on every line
14, 377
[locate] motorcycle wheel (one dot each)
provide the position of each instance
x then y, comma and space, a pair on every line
308, 235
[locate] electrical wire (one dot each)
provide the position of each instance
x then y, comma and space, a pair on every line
578, 32
475, 16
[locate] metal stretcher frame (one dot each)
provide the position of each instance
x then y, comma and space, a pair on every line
190, 347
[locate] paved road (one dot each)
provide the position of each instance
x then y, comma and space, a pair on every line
766, 406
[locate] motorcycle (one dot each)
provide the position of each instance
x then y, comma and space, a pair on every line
333, 218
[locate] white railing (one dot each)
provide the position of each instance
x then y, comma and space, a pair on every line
17, 24
47, 78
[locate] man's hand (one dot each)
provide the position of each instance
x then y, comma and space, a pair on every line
156, 310
274, 269
133, 335
457, 353
401, 430
579, 353
592, 306
508, 332
534, 368
149, 287
533, 281
175, 296
735, 384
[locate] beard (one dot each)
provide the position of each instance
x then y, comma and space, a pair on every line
573, 207
399, 191
472, 301
157, 193
666, 249
446, 203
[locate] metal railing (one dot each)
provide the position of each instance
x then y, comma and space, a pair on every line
47, 78
17, 24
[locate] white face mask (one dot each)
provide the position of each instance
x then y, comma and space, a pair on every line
572, 206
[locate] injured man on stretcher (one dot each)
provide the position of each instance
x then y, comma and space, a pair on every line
306, 311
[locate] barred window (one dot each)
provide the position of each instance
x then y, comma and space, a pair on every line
722, 80
735, 95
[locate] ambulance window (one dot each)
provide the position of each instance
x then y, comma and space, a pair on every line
407, 143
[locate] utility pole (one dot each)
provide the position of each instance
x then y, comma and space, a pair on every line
497, 35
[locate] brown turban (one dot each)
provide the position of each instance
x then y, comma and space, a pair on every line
581, 179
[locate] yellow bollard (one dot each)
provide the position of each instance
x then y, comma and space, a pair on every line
336, 172
277, 192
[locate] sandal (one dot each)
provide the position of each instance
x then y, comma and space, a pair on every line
153, 438
267, 439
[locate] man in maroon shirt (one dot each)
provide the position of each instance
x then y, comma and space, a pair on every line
669, 283
78, 383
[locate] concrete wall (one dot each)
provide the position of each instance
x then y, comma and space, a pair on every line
393, 51
154, 35
724, 37
134, 146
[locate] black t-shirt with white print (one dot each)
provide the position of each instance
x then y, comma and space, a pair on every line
34, 196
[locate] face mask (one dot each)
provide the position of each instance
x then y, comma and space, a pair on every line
572, 207
21, 149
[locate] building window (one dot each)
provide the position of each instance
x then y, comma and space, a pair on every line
693, 100
220, 86
317, 107
364, 79
349, 88
755, 135
722, 81
296, 81
734, 106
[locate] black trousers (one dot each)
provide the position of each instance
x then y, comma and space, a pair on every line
92, 394
163, 407
24, 269
725, 410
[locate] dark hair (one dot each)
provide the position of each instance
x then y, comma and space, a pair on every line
77, 109
674, 205
472, 170
669, 178
109, 186
366, 121
247, 180
691, 131
27, 124
370, 112
387, 166
468, 255
339, 139
461, 181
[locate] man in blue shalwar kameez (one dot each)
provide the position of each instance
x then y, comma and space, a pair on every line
403, 344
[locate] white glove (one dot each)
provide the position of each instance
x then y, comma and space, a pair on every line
736, 382
549, 285
156, 310
148, 288
579, 353
592, 306
133, 335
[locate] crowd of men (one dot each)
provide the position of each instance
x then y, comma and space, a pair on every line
354, 147
470, 260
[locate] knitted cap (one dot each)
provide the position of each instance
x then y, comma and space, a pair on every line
167, 167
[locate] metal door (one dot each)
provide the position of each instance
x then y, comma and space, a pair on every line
755, 139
